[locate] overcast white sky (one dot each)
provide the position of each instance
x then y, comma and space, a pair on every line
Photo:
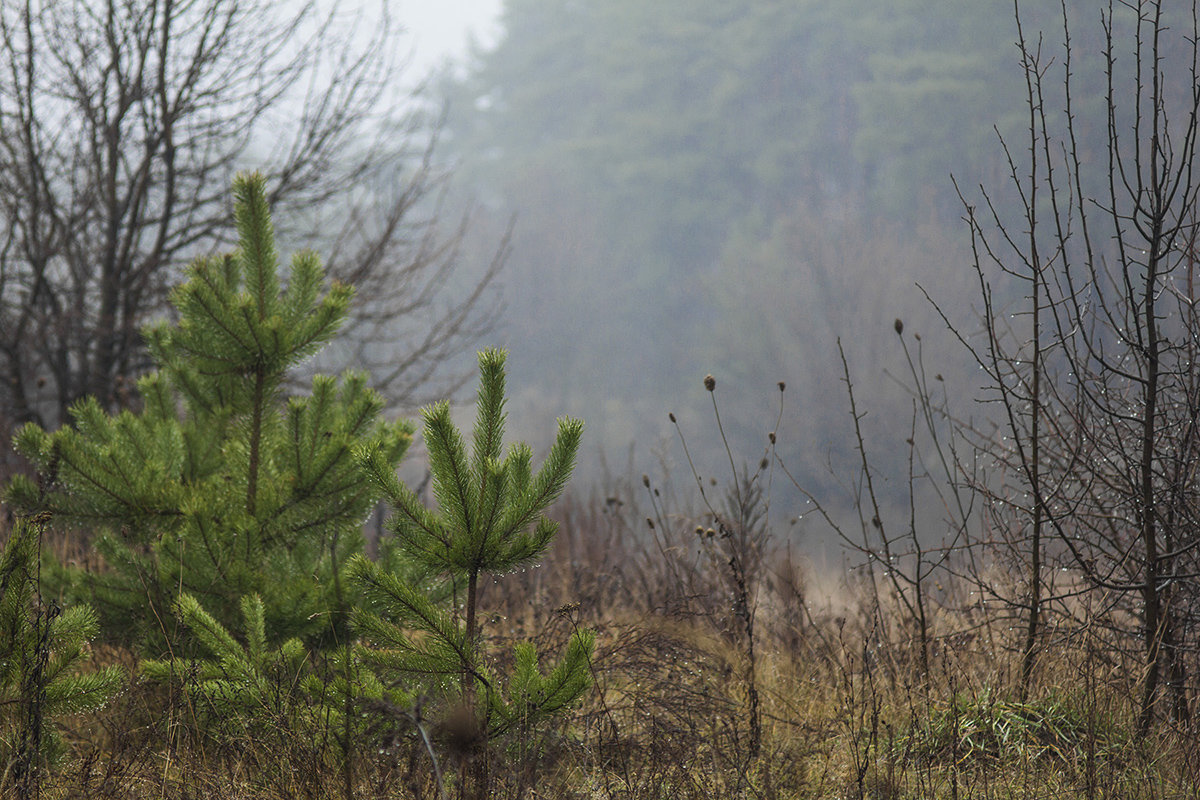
440, 29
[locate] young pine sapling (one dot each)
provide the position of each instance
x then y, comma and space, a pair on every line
489, 521
218, 486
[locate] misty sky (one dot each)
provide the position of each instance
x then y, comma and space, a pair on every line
440, 29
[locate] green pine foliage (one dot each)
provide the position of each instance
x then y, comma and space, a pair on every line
256, 690
229, 518
221, 487
490, 520
41, 648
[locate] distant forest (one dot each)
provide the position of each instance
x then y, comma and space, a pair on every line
706, 187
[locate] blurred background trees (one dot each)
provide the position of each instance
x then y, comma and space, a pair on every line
702, 188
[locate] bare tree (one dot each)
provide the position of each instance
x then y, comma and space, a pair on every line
1094, 365
121, 125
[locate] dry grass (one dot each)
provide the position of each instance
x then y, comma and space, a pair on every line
843, 709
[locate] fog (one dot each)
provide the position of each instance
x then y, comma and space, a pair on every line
444, 32
705, 189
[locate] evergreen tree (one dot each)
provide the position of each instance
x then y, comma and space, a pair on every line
218, 487
489, 520
41, 645
259, 691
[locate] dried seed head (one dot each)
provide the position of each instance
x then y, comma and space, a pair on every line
764, 464
671, 416
771, 436
461, 731
782, 386
898, 325
646, 480
710, 382
650, 522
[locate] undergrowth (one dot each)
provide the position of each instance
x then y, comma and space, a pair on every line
725, 665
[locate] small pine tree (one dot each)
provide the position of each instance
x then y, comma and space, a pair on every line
489, 520
257, 691
41, 645
218, 487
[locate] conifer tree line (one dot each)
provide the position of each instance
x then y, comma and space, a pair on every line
228, 517
721, 177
